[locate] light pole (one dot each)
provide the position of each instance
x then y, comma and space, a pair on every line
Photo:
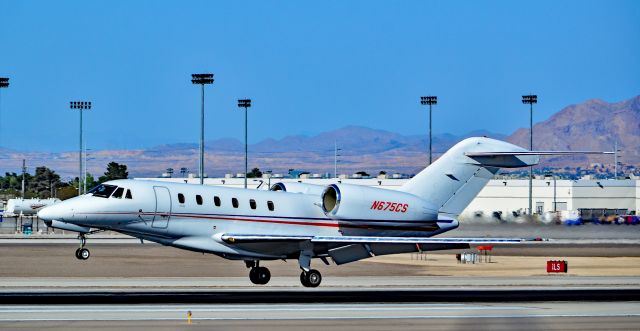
80, 105
616, 161
429, 100
245, 103
84, 170
530, 99
202, 79
4, 83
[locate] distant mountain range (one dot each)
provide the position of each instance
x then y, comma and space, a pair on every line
592, 125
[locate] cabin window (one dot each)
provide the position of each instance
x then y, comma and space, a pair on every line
234, 202
118, 193
216, 201
199, 199
252, 204
270, 205
128, 195
180, 197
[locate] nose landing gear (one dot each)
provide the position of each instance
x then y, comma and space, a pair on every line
82, 253
258, 275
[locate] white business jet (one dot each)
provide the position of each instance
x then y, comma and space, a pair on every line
298, 221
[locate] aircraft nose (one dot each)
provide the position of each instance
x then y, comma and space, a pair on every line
51, 213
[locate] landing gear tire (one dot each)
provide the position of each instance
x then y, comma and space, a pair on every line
311, 278
83, 253
259, 275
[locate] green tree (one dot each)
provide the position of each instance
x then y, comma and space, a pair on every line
44, 182
67, 192
114, 171
91, 182
255, 173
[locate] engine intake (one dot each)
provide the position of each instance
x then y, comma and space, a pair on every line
330, 199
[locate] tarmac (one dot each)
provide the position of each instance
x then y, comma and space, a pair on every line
143, 287
374, 316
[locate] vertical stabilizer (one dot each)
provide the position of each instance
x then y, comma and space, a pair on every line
455, 179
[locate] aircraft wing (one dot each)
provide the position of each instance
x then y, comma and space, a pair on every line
472, 154
345, 249
253, 238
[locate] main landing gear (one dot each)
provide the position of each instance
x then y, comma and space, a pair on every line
311, 278
258, 275
261, 275
82, 253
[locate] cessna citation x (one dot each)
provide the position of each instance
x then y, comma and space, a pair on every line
298, 221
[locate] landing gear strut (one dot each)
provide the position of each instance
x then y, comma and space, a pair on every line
311, 278
82, 253
259, 275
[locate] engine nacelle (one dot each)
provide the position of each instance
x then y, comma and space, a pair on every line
298, 188
355, 202
67, 226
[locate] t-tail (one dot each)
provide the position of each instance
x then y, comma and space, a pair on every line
454, 180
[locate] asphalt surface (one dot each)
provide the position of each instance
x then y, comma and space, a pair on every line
168, 282
406, 316
43, 259
306, 296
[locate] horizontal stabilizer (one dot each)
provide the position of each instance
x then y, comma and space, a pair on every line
518, 159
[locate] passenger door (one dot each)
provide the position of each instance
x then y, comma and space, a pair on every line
163, 207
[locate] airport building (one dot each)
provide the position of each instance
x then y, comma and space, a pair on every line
501, 198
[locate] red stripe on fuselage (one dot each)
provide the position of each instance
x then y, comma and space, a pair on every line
317, 224
324, 224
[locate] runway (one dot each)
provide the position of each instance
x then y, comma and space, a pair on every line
477, 316
151, 287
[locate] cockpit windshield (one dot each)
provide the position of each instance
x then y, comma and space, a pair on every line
118, 193
102, 190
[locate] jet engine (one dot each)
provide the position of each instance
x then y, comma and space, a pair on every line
356, 202
298, 188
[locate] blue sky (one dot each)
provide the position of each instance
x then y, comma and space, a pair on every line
308, 66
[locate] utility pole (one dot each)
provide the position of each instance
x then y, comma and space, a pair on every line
429, 100
245, 103
202, 79
530, 99
615, 159
24, 174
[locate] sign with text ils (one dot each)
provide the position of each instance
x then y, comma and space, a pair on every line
557, 266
